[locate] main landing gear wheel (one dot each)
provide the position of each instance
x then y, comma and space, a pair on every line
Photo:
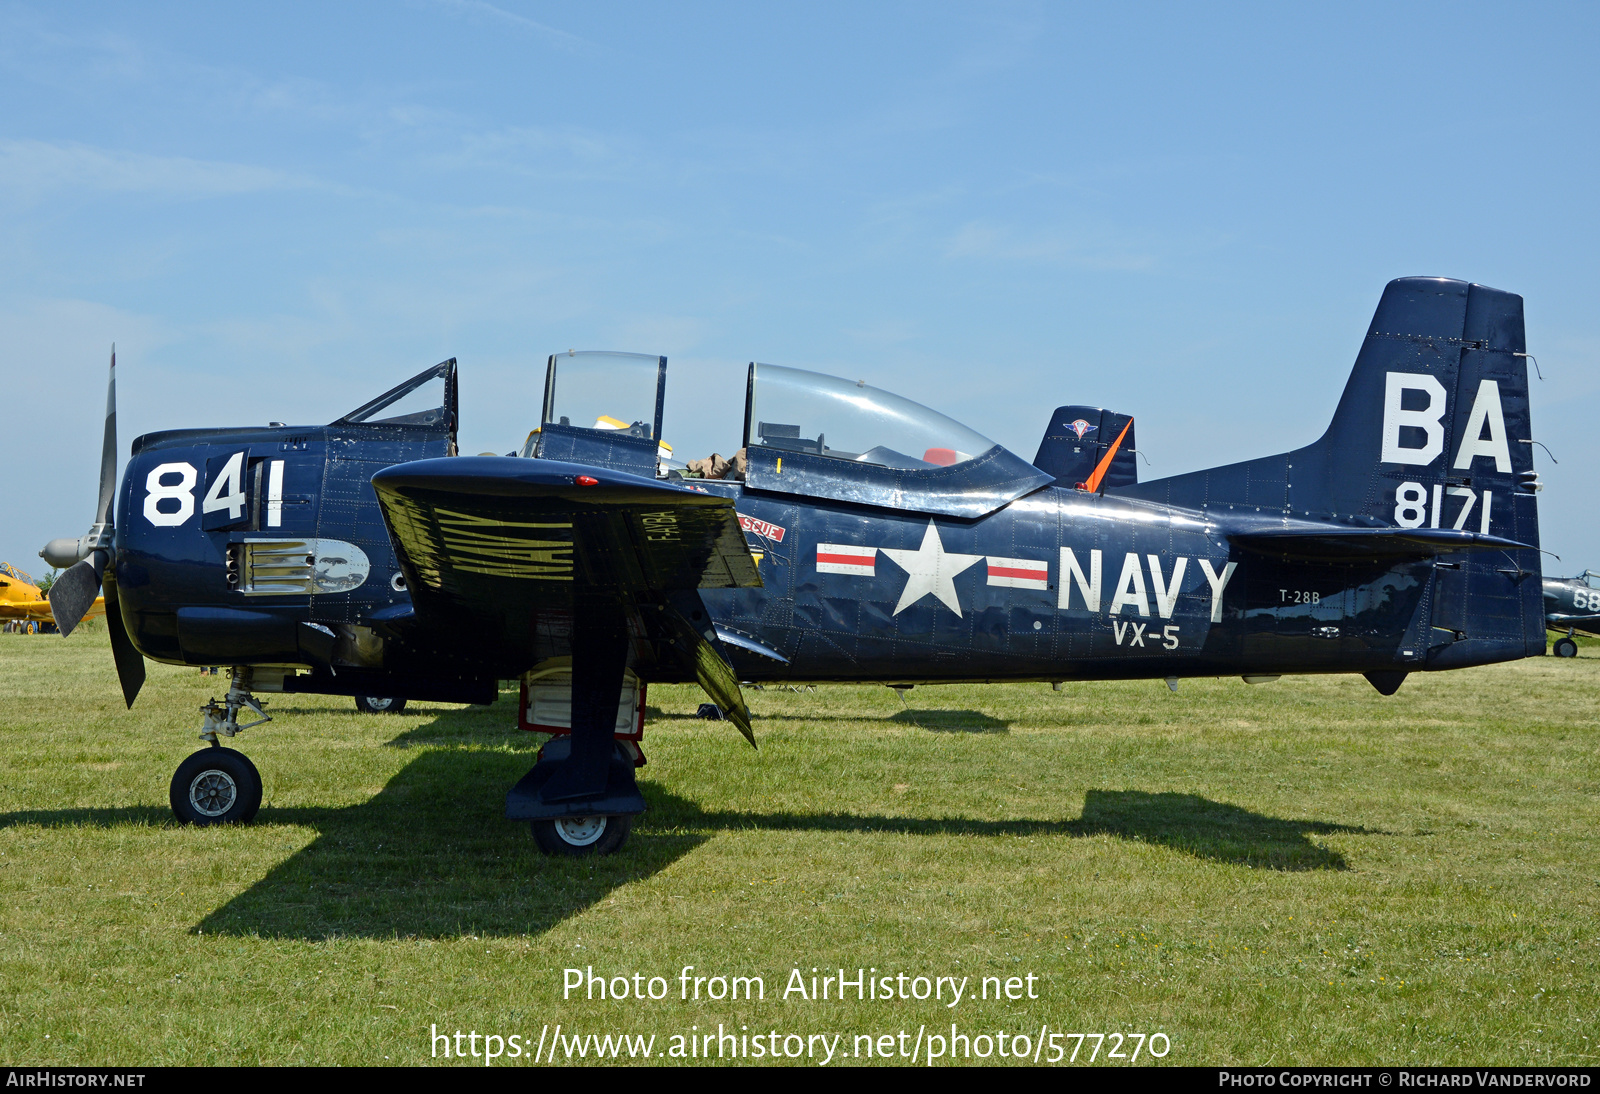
216, 786
372, 704
582, 835
1566, 647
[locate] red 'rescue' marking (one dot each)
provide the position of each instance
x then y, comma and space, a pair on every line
762, 528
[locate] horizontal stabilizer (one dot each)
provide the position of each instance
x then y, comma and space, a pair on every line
1323, 542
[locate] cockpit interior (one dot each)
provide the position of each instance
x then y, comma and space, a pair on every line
595, 399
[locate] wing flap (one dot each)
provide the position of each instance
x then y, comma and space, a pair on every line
499, 553
532, 528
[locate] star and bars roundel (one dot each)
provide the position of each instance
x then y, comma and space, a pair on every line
930, 569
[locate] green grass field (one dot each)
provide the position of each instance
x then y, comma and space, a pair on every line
1301, 872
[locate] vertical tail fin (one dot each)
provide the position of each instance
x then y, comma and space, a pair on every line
1089, 447
1432, 430
1437, 403
1436, 407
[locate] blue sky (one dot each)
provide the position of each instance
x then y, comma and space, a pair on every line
1185, 212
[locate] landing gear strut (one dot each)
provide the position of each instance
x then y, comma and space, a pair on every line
581, 795
219, 785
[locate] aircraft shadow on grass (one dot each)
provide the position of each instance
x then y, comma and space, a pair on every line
938, 721
950, 721
431, 855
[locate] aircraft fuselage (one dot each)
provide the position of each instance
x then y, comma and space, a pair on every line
1059, 584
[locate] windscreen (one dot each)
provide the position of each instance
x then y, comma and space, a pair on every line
799, 411
609, 391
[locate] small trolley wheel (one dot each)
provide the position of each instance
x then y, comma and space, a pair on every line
372, 704
216, 786
582, 835
1566, 647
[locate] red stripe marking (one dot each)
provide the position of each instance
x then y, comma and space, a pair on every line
1012, 571
847, 560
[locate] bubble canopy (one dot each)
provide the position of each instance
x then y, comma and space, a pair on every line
790, 409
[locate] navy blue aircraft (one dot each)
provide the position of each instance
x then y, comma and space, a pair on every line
1572, 604
855, 536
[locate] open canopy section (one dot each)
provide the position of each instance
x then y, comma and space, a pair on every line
611, 392
826, 437
792, 410
603, 408
426, 400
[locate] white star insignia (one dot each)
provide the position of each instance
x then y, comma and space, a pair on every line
929, 569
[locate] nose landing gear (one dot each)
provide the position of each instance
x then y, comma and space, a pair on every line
215, 786
219, 785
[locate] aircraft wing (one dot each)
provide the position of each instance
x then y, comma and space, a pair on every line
39, 610
1573, 619
500, 553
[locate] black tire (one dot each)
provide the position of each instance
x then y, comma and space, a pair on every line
216, 786
710, 712
575, 836
374, 704
1566, 647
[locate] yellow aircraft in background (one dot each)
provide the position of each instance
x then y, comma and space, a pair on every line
22, 602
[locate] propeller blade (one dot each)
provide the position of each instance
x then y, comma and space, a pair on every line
73, 592
130, 662
108, 451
